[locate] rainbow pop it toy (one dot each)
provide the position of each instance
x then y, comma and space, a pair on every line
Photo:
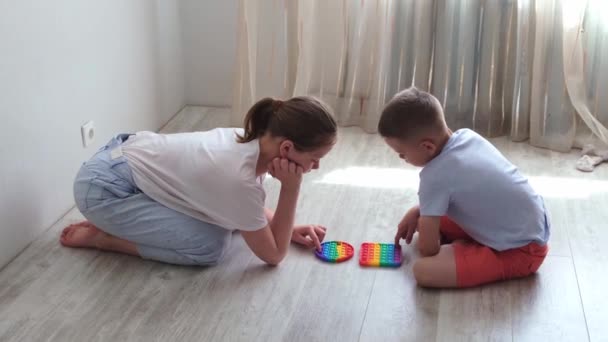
380, 254
335, 251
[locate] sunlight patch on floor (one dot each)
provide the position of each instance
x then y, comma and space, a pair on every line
373, 177
395, 178
562, 187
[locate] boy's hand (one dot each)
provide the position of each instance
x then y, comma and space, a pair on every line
286, 171
408, 225
309, 235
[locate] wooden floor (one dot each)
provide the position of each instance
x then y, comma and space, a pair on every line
361, 191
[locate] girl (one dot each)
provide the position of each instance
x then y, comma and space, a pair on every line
176, 198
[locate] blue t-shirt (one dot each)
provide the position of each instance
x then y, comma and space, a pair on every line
473, 184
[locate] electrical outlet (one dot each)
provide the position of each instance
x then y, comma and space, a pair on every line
87, 131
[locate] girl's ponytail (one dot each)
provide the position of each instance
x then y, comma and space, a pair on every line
257, 119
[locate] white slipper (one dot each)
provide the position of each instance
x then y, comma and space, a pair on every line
588, 163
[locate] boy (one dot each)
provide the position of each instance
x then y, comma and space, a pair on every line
478, 218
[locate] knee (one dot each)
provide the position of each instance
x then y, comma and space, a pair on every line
422, 273
210, 254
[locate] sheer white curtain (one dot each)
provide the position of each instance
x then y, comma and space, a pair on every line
528, 69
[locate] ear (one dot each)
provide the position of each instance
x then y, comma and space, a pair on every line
428, 146
285, 147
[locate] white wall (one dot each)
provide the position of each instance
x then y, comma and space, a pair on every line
209, 31
64, 62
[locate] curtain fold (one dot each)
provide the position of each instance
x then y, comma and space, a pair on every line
523, 68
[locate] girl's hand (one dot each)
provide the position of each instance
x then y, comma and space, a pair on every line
309, 235
408, 225
287, 172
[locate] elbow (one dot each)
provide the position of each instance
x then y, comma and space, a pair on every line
426, 251
274, 260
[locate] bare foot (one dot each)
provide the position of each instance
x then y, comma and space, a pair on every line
83, 234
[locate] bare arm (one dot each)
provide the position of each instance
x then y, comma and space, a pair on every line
429, 235
408, 225
271, 242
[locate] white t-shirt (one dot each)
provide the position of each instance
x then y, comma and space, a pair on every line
206, 175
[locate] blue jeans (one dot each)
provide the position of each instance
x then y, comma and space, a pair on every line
108, 197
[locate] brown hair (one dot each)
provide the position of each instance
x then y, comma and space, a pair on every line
304, 120
410, 113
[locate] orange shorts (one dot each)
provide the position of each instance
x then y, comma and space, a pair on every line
477, 264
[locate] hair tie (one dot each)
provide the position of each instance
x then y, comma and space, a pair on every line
276, 104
